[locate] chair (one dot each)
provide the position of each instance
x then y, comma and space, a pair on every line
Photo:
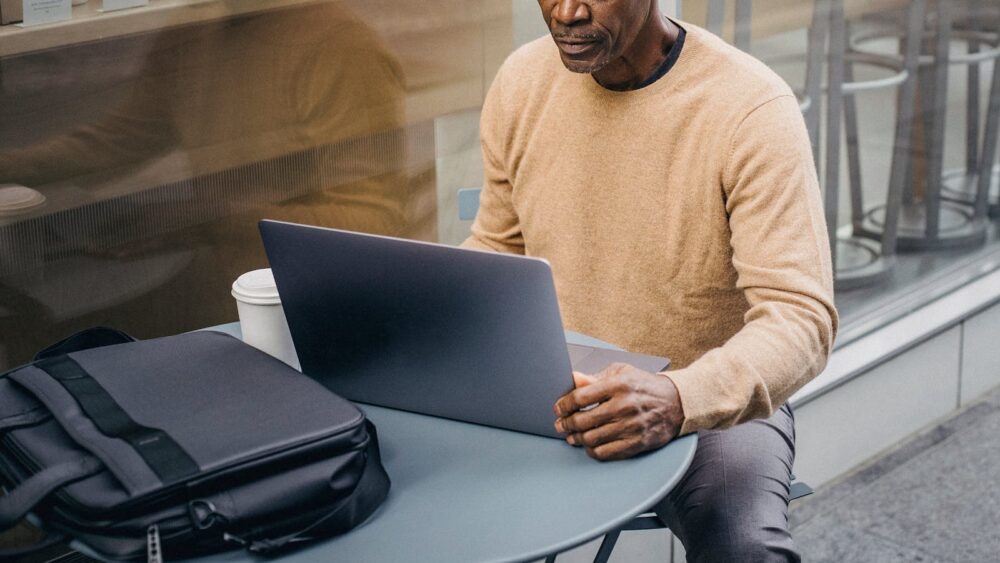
650, 521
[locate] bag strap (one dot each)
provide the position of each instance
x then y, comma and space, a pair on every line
19, 501
368, 494
160, 452
21, 420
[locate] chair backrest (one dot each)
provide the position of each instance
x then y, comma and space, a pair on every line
468, 203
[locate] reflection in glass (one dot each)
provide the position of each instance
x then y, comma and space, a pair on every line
158, 153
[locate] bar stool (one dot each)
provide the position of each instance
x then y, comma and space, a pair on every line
934, 221
963, 185
861, 258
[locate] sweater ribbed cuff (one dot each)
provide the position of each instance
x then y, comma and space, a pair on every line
695, 403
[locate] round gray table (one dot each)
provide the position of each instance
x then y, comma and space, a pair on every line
463, 492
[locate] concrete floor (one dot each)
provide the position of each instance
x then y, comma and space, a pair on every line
935, 497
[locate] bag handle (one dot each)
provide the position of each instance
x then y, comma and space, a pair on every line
19, 501
84, 340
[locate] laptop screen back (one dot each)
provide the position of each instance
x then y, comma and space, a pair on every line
462, 334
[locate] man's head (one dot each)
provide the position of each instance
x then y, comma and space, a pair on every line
593, 33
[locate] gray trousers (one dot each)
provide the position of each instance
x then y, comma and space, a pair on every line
732, 504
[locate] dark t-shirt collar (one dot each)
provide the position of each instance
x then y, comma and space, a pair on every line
668, 63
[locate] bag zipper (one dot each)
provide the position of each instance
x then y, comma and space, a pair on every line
154, 553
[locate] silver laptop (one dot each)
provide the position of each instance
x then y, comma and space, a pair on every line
428, 328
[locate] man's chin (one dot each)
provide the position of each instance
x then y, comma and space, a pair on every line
581, 67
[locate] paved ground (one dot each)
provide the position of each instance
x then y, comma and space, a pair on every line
935, 497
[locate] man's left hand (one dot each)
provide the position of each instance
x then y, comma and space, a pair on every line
634, 411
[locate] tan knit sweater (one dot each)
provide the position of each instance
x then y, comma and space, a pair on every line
681, 219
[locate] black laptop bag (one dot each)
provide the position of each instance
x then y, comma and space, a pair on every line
180, 446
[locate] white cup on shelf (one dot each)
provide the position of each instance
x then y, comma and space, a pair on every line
262, 319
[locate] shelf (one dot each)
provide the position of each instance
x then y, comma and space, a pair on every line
89, 23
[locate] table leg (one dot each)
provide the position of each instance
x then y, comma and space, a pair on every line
607, 546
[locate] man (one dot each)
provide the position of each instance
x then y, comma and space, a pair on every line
669, 181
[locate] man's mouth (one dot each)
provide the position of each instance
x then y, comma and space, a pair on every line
575, 45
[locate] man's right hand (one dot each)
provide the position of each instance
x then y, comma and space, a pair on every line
635, 411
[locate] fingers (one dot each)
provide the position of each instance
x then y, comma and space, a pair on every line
618, 449
582, 379
581, 421
594, 392
606, 433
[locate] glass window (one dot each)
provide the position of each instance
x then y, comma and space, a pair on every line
138, 149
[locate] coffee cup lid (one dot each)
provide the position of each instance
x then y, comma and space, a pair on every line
256, 287
16, 199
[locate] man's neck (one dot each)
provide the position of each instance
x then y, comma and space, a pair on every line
645, 55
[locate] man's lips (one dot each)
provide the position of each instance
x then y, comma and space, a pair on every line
575, 46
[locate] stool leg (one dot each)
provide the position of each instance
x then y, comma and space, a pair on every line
972, 99
741, 29
715, 19
902, 151
853, 150
932, 199
834, 110
989, 152
814, 76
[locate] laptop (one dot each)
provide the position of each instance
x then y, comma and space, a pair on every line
428, 328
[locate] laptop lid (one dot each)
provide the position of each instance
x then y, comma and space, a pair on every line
428, 328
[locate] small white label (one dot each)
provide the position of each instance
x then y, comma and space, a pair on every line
112, 5
38, 12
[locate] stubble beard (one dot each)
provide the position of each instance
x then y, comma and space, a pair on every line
585, 67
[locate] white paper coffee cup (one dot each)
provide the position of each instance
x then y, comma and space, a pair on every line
262, 319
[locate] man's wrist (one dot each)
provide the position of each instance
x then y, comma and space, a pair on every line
681, 418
